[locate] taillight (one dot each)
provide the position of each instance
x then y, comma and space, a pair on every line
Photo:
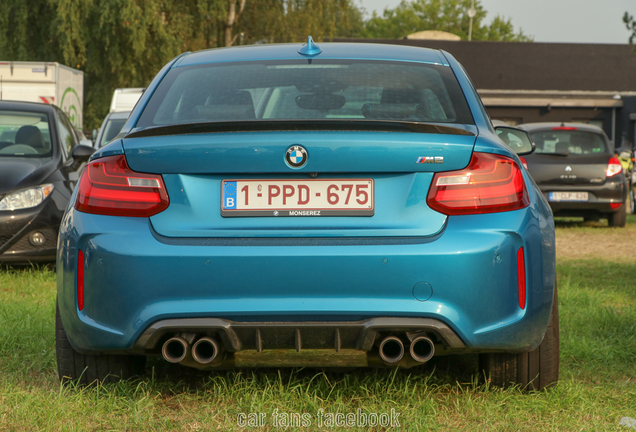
491, 183
524, 162
613, 167
521, 278
109, 187
564, 128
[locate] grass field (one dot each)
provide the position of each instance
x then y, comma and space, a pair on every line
597, 296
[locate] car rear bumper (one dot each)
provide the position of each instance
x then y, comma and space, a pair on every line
464, 278
600, 198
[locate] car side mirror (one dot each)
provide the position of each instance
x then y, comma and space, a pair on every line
94, 134
518, 140
81, 153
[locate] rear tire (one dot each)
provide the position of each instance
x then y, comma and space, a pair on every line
534, 370
619, 218
84, 369
632, 204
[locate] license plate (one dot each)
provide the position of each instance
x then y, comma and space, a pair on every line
332, 197
568, 196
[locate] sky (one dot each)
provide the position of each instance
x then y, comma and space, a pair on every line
576, 21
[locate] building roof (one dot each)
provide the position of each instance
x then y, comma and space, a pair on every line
537, 66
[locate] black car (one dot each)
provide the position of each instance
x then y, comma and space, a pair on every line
40, 160
576, 169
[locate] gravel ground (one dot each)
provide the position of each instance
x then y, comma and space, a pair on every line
595, 240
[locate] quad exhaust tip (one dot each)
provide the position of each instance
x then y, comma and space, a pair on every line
391, 349
422, 349
175, 349
205, 350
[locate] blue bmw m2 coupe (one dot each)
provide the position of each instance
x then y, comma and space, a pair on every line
330, 197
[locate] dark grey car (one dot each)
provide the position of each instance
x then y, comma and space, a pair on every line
576, 169
40, 162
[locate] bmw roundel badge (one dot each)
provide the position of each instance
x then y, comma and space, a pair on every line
296, 156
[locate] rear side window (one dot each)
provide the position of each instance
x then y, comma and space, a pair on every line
298, 90
112, 128
570, 142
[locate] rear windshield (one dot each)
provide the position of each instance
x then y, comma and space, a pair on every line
298, 90
24, 134
570, 142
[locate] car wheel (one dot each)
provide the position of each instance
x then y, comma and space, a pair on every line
619, 218
83, 369
534, 370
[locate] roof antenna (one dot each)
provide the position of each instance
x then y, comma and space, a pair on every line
310, 48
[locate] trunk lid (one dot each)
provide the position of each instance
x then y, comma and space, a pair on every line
553, 169
194, 167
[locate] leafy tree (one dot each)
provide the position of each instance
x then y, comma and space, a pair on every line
630, 24
267, 21
124, 43
445, 15
24, 35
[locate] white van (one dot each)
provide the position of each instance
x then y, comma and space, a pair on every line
124, 99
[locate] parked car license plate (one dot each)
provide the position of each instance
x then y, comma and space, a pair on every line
331, 197
568, 196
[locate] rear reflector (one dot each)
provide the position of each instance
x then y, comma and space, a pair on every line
616, 205
521, 278
491, 183
613, 167
80, 280
109, 187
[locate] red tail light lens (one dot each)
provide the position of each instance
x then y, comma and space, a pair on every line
564, 128
491, 183
521, 277
109, 187
614, 167
524, 162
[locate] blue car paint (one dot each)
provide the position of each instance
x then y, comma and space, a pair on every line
400, 210
329, 51
136, 276
149, 280
329, 152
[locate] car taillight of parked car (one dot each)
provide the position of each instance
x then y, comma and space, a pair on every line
491, 183
109, 187
613, 167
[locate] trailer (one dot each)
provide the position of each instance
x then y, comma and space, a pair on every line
44, 82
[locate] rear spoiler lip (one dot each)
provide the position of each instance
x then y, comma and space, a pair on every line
339, 125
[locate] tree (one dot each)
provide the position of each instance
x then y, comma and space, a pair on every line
124, 43
271, 21
446, 15
630, 24
232, 17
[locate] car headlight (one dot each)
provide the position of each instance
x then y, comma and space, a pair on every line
26, 198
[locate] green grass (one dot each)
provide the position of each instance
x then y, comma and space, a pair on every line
597, 387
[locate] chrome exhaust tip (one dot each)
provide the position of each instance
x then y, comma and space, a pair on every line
175, 349
205, 350
391, 349
422, 349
